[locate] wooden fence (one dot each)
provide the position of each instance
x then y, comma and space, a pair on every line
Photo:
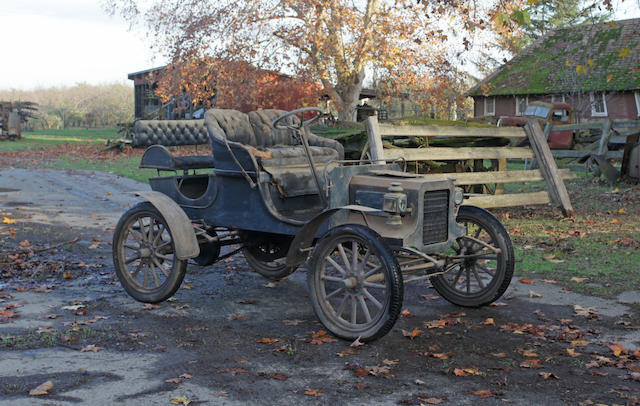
556, 191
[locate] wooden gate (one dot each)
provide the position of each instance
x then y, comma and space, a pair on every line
539, 149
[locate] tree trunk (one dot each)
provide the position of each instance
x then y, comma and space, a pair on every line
350, 97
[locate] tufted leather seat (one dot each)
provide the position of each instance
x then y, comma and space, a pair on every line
273, 149
170, 133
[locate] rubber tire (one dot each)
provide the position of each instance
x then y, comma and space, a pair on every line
393, 275
504, 271
173, 281
269, 272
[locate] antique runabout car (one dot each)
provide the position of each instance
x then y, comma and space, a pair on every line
282, 195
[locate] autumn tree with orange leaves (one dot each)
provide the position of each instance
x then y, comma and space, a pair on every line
406, 46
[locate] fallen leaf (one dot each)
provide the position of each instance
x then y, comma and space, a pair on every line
270, 285
578, 280
186, 376
529, 353
248, 302
466, 372
488, 322
235, 371
320, 337
406, 313
67, 275
531, 363
313, 392
533, 294
526, 281
483, 393
42, 389
498, 304
346, 352
181, 400
150, 306
173, 380
41, 330
356, 343
275, 375
617, 349
25, 244
390, 362
548, 375
91, 347
498, 354
73, 307
418, 382
238, 317
433, 401
7, 220
573, 352
412, 334
265, 340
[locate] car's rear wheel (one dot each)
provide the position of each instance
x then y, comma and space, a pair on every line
144, 255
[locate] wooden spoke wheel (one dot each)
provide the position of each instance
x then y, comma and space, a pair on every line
355, 283
144, 255
487, 271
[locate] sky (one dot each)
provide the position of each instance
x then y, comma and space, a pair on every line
63, 42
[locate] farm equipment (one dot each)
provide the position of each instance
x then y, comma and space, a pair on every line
285, 195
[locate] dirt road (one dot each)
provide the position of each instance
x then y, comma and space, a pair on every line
230, 337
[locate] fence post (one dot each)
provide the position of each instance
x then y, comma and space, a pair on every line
548, 168
375, 140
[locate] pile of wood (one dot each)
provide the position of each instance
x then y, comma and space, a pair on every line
12, 115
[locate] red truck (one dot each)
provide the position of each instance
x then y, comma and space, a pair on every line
555, 113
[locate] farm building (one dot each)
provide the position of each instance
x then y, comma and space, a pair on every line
593, 67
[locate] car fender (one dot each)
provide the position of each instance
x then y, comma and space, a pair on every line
182, 232
303, 241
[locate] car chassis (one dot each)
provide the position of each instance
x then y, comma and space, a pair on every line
285, 195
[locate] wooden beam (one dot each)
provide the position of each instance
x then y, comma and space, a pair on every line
390, 130
569, 153
376, 151
449, 154
604, 139
479, 178
557, 189
509, 200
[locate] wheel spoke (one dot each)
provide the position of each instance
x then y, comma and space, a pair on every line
150, 236
365, 309
146, 275
335, 265
132, 247
354, 310
155, 274
163, 244
374, 285
475, 273
160, 266
332, 278
365, 259
343, 304
335, 292
488, 256
137, 271
133, 258
141, 228
354, 255
373, 299
371, 272
457, 278
486, 270
165, 257
160, 231
344, 256
468, 277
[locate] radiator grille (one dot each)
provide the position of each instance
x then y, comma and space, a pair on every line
435, 225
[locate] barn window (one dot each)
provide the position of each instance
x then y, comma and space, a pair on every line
598, 104
489, 106
637, 94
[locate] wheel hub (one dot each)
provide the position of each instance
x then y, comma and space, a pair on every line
145, 252
350, 282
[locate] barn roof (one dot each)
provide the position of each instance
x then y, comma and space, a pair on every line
588, 57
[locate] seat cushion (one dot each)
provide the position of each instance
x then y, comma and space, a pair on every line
232, 124
267, 136
284, 155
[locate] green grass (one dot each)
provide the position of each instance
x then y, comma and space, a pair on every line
43, 138
124, 166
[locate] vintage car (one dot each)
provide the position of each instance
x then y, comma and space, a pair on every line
281, 195
555, 113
